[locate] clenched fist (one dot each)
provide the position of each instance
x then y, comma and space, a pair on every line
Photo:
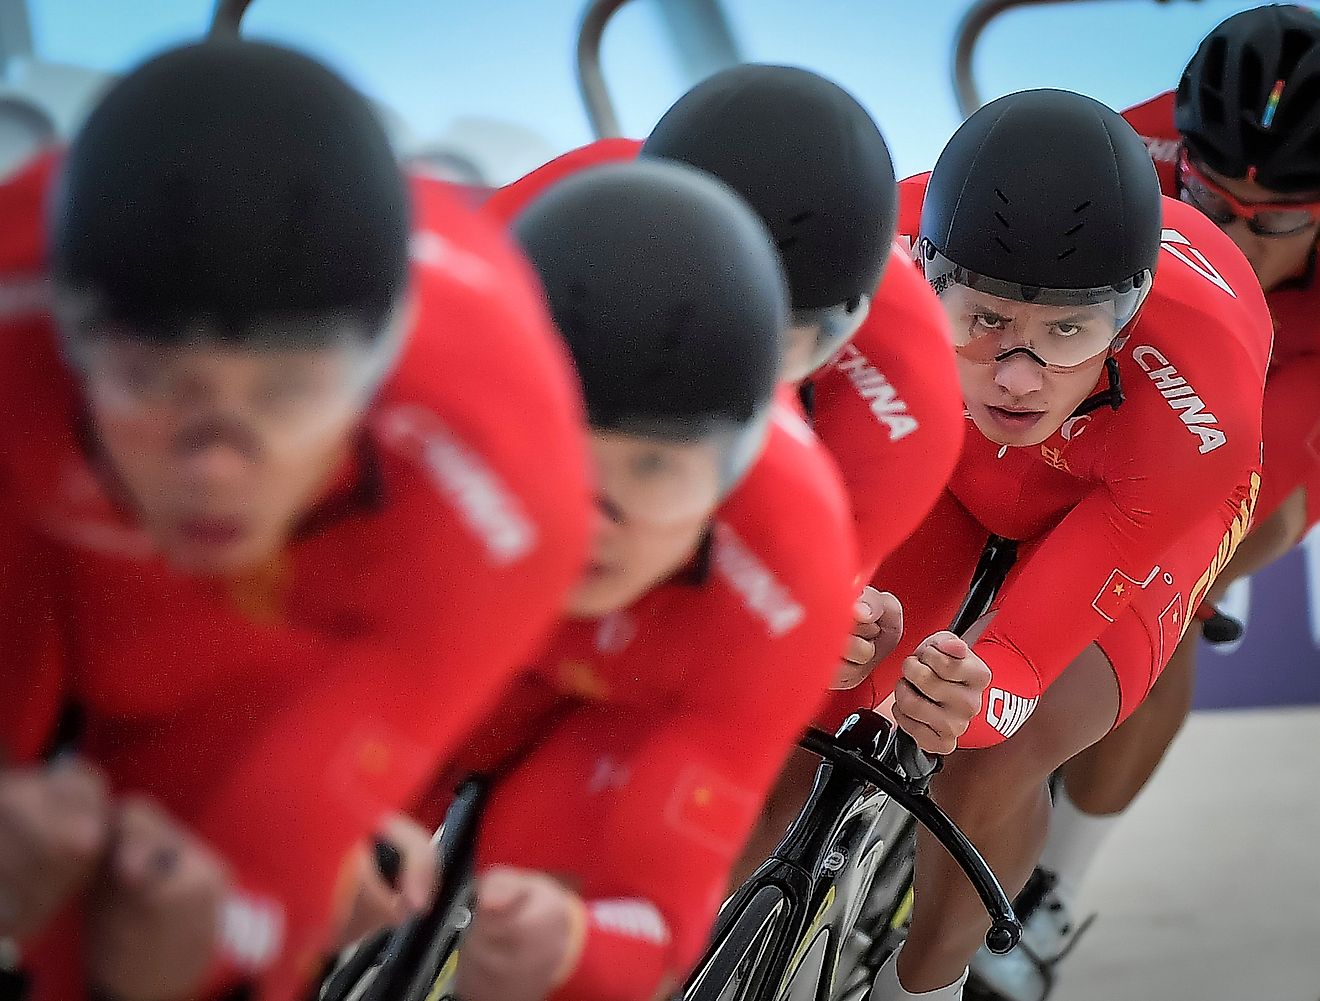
525, 938
154, 914
940, 692
54, 824
878, 629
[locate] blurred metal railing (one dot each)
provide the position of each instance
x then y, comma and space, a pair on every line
969, 32
591, 81
228, 17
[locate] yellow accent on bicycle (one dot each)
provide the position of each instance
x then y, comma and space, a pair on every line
445, 980
903, 913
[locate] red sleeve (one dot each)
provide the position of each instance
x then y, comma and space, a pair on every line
484, 512
507, 202
889, 408
1159, 478
647, 808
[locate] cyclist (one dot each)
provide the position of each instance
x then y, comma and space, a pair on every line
705, 632
1237, 141
1119, 452
885, 403
268, 489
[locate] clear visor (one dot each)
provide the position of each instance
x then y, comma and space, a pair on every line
1062, 329
280, 398
661, 474
832, 327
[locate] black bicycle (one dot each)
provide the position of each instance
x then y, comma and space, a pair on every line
822, 914
830, 900
415, 962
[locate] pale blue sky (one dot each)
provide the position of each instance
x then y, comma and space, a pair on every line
435, 60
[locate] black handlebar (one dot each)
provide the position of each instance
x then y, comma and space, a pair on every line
1005, 929
997, 559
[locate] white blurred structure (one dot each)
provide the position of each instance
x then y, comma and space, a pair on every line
41, 102
483, 151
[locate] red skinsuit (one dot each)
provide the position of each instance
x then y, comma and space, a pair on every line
1126, 517
281, 716
1292, 389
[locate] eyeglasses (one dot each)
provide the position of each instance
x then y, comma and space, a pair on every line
1268, 219
1063, 330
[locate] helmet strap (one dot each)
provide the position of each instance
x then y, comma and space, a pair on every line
1111, 397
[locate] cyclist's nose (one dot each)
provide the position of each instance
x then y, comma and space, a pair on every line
1019, 375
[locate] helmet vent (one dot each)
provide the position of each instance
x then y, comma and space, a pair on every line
1213, 74
1082, 208
800, 218
1067, 253
1002, 197
1003, 221
1071, 232
1003, 246
1251, 79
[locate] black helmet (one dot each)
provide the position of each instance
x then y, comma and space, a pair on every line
669, 293
1047, 197
236, 188
808, 158
1248, 104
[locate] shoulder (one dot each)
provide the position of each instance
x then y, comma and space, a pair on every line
37, 395
504, 204
484, 401
911, 196
1153, 121
23, 199
899, 367
1201, 345
1203, 274
783, 541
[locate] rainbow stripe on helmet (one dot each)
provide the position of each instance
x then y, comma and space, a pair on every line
1272, 105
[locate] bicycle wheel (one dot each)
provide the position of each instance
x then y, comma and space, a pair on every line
737, 971
882, 924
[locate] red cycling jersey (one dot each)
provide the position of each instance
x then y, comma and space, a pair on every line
1111, 502
1291, 422
656, 732
281, 715
887, 406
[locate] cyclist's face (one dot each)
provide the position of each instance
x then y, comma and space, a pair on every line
1015, 400
1275, 259
221, 451
654, 501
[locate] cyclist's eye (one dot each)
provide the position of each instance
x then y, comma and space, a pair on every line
988, 321
1208, 203
1067, 329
